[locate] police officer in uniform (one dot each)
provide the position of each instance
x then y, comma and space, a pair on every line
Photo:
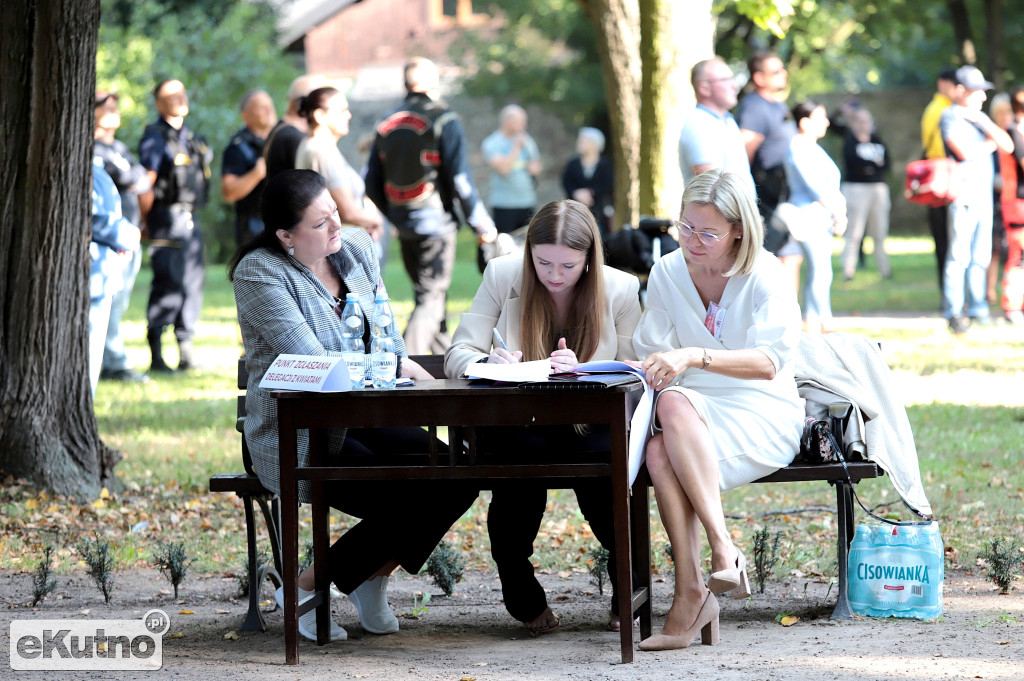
178, 164
243, 168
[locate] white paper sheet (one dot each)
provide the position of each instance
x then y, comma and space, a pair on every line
512, 373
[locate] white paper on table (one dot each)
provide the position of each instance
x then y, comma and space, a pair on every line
517, 372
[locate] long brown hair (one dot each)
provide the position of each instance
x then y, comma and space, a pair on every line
563, 223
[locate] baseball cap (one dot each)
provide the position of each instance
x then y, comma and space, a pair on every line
102, 96
972, 79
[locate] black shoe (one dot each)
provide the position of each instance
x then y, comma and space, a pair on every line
126, 375
959, 325
159, 366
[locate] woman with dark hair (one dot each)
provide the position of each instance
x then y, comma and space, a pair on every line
814, 190
291, 282
720, 326
557, 301
327, 114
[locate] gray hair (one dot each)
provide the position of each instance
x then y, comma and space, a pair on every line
593, 134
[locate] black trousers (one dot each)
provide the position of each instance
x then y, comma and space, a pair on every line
401, 520
176, 294
516, 511
938, 224
429, 262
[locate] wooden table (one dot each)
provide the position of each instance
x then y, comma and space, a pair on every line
459, 405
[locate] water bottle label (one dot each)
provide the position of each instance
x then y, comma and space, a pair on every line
383, 320
353, 322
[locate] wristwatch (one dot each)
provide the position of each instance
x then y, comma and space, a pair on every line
706, 360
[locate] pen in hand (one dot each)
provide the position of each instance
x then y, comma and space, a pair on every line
499, 342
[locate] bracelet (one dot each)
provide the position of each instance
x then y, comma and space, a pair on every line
707, 359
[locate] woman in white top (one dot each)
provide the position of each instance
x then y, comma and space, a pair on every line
326, 111
716, 336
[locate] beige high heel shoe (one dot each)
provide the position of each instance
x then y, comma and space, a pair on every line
732, 579
706, 623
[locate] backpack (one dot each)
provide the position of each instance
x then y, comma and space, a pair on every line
408, 142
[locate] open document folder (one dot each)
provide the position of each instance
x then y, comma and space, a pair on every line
593, 375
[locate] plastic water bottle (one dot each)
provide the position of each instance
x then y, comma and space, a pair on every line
353, 350
383, 361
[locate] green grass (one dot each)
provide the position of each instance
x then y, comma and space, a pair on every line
177, 431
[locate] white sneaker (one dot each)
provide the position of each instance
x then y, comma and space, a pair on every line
307, 622
371, 600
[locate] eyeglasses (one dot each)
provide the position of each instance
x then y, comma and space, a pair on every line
706, 238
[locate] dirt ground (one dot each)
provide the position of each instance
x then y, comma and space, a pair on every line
470, 636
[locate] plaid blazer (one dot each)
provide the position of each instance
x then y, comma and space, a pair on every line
284, 309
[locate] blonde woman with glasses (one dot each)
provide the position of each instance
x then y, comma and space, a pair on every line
716, 336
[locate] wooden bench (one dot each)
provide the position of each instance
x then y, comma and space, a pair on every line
832, 473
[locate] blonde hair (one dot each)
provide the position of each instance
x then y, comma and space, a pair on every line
735, 201
563, 223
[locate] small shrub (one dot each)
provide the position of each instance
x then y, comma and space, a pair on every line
766, 555
1004, 558
100, 563
173, 562
262, 558
42, 585
445, 565
597, 566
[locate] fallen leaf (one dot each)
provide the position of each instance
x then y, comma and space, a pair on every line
104, 493
176, 634
1002, 643
185, 612
231, 636
478, 664
85, 612
789, 620
222, 612
102, 645
31, 504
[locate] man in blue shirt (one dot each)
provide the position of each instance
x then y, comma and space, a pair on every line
132, 184
514, 160
971, 138
711, 138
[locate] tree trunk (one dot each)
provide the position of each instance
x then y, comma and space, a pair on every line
962, 31
48, 431
617, 23
995, 44
666, 96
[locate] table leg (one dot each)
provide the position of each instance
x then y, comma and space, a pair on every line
640, 517
623, 544
288, 455
321, 539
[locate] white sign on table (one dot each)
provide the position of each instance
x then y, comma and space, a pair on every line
309, 373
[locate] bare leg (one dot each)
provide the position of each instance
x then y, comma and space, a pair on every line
688, 447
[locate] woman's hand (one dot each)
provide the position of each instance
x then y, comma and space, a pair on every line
411, 369
662, 368
563, 359
503, 356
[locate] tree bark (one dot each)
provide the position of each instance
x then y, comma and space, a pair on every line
48, 431
666, 95
617, 23
995, 43
962, 31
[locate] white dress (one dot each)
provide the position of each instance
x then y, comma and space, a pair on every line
755, 424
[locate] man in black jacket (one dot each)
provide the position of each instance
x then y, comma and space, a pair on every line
416, 174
